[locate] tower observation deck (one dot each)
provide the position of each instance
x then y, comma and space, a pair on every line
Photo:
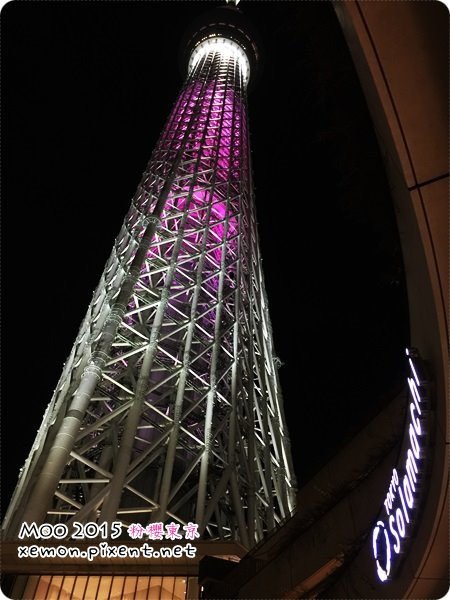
169, 406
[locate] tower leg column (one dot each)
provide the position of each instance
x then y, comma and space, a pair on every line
112, 501
204, 465
49, 477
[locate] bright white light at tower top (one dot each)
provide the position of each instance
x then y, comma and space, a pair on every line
226, 47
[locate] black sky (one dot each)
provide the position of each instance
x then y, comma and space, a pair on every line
87, 87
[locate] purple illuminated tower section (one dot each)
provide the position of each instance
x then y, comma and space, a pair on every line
169, 406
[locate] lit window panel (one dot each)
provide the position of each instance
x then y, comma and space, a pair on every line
54, 588
104, 588
30, 588
142, 588
117, 588
91, 589
43, 585
129, 588
67, 588
79, 588
179, 592
168, 584
154, 590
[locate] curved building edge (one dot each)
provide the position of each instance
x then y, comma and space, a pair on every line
400, 51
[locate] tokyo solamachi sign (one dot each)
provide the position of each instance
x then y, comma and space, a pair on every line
402, 499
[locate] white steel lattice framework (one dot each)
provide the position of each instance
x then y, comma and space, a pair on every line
169, 405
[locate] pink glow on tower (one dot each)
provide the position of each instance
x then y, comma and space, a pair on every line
169, 405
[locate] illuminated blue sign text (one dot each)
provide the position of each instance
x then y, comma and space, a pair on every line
401, 498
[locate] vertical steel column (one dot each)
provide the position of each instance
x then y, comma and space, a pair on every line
173, 440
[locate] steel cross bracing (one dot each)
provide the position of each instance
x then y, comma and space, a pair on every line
169, 405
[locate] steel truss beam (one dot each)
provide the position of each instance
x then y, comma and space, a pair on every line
169, 405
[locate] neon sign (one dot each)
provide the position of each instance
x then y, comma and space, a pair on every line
400, 504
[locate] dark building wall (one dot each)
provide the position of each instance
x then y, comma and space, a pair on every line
400, 50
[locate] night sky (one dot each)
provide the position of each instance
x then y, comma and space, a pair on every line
87, 87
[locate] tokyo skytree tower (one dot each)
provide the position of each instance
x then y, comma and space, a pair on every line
169, 405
